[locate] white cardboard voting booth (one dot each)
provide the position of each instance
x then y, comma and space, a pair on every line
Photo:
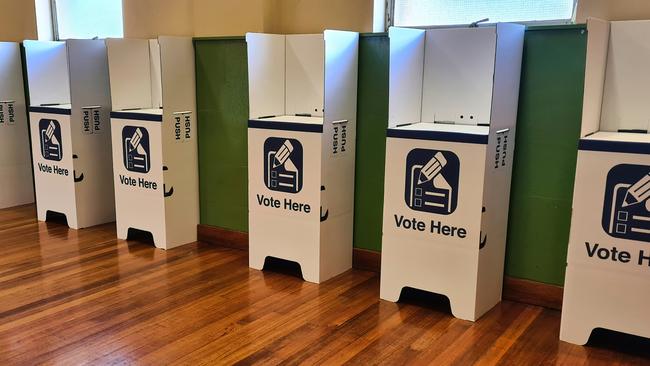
15, 160
69, 111
301, 150
153, 123
452, 112
608, 266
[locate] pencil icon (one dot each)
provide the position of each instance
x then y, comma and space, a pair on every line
638, 192
135, 139
283, 154
50, 130
432, 168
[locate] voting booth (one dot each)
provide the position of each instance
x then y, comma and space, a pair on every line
69, 112
15, 160
153, 124
608, 266
452, 112
301, 150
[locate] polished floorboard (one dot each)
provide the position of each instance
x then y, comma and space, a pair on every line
72, 297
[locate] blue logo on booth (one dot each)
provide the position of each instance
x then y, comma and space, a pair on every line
626, 208
51, 143
135, 148
432, 181
283, 164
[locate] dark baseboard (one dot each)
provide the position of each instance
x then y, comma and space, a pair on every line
223, 237
514, 289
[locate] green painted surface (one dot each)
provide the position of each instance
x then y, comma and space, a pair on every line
547, 133
548, 128
222, 110
372, 120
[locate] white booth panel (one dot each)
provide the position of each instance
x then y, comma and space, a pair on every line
341, 60
47, 70
155, 74
305, 70
458, 75
626, 94
130, 73
11, 87
595, 64
406, 72
89, 84
266, 74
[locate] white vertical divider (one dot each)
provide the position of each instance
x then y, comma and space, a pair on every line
155, 73
501, 142
91, 103
266, 74
338, 151
130, 73
626, 93
15, 162
457, 83
305, 57
179, 158
406, 72
596, 64
47, 67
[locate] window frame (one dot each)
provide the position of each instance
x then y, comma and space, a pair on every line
390, 11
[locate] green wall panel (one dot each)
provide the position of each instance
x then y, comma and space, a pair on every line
372, 121
222, 112
548, 128
544, 168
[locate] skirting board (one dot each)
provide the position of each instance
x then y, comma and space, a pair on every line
514, 289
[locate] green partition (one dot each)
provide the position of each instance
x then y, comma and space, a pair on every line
545, 154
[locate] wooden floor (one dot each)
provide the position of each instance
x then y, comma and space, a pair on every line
82, 297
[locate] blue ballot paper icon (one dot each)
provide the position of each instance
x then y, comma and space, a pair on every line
51, 143
135, 147
626, 208
283, 164
432, 181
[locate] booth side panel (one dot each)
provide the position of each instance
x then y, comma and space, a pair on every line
266, 74
498, 165
130, 73
179, 141
15, 158
596, 64
90, 130
48, 74
406, 73
338, 152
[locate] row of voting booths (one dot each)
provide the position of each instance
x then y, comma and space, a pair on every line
15, 159
113, 134
607, 281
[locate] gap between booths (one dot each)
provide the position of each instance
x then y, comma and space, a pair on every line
548, 126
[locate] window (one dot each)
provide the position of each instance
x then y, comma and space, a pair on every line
456, 12
87, 18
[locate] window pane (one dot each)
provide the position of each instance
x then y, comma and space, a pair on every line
89, 18
449, 12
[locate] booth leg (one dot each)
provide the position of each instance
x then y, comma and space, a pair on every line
462, 310
41, 213
256, 261
575, 333
390, 292
122, 231
310, 273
